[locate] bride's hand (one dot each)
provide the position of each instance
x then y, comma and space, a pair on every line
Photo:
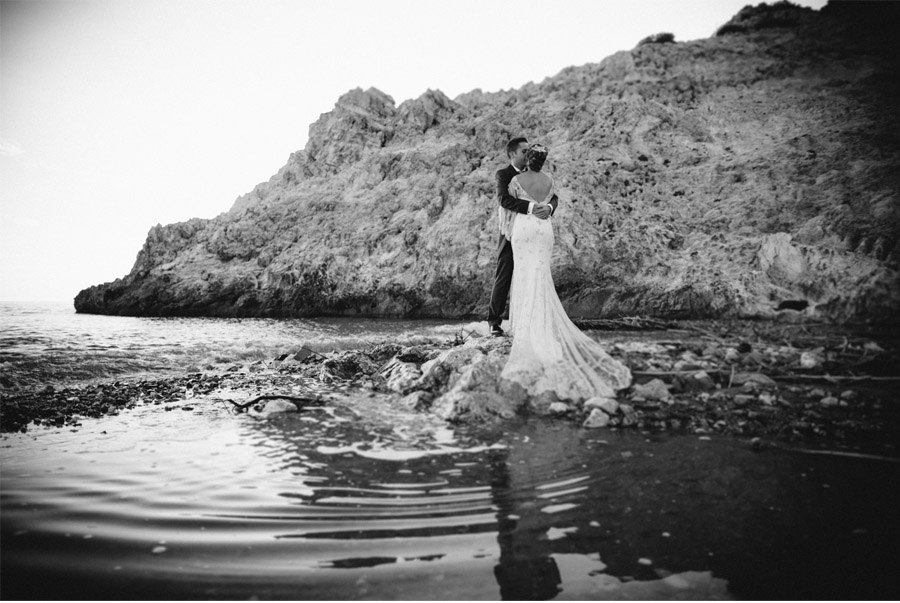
541, 210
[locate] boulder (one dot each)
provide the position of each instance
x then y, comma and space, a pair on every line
440, 373
401, 377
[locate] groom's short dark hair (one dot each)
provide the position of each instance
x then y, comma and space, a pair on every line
513, 144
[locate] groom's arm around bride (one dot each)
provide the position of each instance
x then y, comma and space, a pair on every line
522, 206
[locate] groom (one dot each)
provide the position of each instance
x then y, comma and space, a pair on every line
515, 151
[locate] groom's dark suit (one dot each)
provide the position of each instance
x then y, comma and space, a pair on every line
503, 274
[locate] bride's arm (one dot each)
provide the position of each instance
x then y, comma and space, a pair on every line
554, 199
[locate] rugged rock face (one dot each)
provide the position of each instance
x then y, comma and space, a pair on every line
724, 176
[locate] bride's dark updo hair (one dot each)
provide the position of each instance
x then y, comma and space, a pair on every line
535, 156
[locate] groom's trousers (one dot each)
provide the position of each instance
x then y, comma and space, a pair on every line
502, 281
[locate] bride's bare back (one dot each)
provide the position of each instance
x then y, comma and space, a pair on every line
536, 184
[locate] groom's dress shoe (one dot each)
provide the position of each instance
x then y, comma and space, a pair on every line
496, 331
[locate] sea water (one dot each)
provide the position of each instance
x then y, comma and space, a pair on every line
47, 343
365, 499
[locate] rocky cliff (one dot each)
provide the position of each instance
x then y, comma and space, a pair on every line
735, 175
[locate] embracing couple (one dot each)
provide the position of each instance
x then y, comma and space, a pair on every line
549, 354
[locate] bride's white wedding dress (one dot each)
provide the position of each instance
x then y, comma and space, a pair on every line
549, 353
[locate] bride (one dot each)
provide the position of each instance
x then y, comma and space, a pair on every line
549, 355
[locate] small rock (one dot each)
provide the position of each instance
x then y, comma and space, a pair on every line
849, 395
711, 351
756, 444
686, 365
629, 417
543, 402
417, 400
754, 378
257, 366
645, 561
731, 354
753, 357
808, 360
767, 399
742, 400
597, 418
273, 406
559, 408
607, 405
701, 380
829, 401
652, 390
158, 550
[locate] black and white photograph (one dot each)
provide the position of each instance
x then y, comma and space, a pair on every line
482, 300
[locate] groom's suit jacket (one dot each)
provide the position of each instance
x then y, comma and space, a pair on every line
507, 201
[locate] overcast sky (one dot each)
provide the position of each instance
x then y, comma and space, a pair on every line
116, 115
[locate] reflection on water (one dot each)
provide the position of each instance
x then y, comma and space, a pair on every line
43, 343
331, 504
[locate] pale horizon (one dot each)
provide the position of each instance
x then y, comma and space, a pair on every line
119, 115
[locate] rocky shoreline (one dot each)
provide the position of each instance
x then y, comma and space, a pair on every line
816, 385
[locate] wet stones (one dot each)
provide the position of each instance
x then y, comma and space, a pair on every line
400, 377
559, 408
699, 381
606, 412
418, 400
656, 389
440, 373
278, 406
758, 379
607, 405
597, 418
475, 394
346, 365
